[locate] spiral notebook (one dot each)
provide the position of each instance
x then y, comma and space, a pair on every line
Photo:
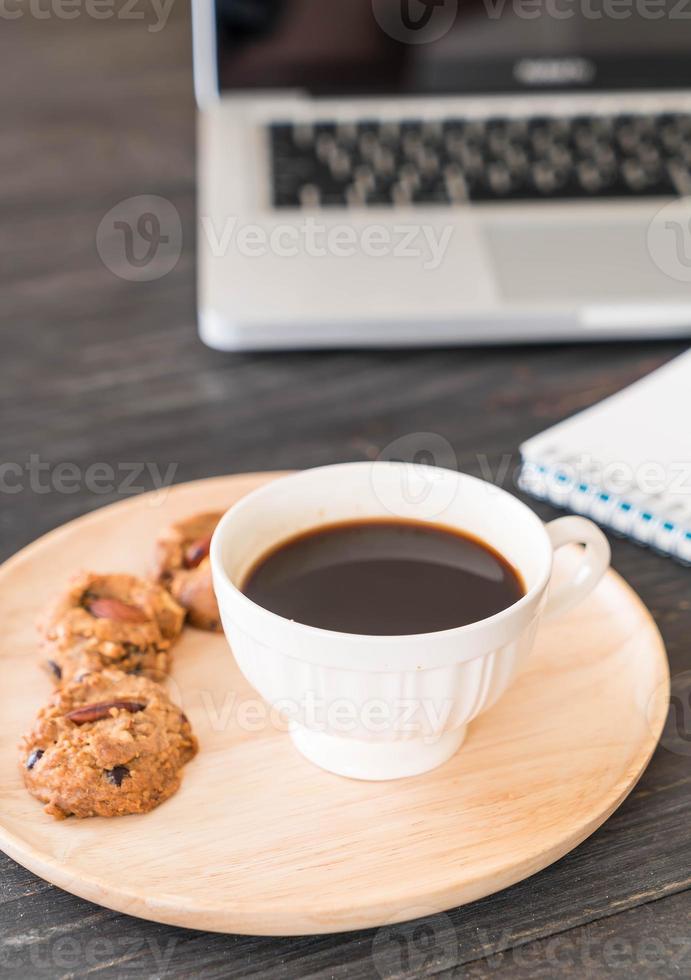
625, 462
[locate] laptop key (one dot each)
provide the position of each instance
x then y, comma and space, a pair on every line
303, 135
340, 164
384, 162
499, 178
310, 196
346, 133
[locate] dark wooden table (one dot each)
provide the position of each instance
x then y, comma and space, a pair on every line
96, 368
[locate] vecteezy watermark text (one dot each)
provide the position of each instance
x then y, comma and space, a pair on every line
415, 717
57, 954
154, 12
65, 477
429, 942
140, 239
589, 9
317, 239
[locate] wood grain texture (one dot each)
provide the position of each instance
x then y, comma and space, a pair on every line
96, 369
260, 841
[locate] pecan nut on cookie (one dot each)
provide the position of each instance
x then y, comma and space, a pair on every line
110, 621
106, 745
183, 567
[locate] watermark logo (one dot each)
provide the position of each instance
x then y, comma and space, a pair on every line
421, 482
669, 239
424, 944
415, 21
140, 239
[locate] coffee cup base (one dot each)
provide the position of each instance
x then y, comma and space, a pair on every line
376, 760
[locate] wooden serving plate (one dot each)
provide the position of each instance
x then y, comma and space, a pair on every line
258, 840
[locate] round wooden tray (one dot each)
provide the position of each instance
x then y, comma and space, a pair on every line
259, 841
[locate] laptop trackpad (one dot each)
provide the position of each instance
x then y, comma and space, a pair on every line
579, 262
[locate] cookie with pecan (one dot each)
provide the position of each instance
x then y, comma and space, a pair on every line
110, 621
106, 745
183, 567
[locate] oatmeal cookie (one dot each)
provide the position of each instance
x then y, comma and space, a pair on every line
106, 745
183, 567
110, 621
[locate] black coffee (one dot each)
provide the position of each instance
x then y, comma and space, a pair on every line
384, 577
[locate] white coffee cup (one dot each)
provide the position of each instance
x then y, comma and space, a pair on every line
383, 707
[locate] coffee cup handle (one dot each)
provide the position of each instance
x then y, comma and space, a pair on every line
593, 565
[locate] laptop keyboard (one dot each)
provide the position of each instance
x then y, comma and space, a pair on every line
377, 163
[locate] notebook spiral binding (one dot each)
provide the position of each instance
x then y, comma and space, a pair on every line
653, 520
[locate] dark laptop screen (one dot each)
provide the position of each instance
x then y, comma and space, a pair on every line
369, 47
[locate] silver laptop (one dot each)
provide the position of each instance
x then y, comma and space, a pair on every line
418, 172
